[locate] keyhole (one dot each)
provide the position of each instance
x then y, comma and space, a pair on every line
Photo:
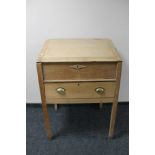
77, 68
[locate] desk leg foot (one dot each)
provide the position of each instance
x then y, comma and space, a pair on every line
100, 105
55, 107
47, 122
113, 119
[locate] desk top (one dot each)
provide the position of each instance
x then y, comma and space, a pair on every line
78, 50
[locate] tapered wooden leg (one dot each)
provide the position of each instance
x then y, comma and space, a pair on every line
100, 105
55, 107
43, 98
46, 121
115, 102
113, 119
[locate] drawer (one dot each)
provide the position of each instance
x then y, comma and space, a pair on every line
80, 90
79, 71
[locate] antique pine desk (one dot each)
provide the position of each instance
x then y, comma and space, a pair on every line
79, 71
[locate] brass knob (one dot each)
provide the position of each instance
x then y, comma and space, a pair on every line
60, 90
100, 90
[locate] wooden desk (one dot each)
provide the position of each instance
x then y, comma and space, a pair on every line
79, 71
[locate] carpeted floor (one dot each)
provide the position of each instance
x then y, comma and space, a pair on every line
78, 130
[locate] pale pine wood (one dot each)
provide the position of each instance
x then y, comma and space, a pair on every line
79, 100
80, 90
57, 71
81, 80
78, 50
80, 66
115, 101
43, 98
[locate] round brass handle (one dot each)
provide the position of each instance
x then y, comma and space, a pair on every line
60, 90
100, 90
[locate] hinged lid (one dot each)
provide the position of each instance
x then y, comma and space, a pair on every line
78, 50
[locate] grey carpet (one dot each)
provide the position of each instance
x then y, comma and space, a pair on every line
78, 130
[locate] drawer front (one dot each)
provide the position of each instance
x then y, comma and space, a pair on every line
80, 71
80, 90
